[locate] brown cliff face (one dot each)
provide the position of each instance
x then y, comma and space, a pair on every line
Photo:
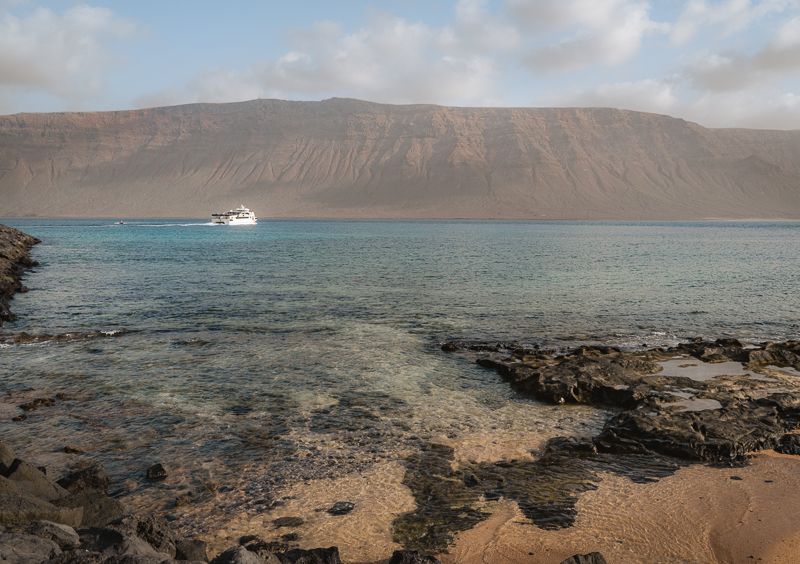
346, 158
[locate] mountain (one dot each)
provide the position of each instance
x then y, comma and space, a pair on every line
346, 158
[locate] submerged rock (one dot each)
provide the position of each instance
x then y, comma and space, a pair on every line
287, 522
156, 473
412, 557
341, 508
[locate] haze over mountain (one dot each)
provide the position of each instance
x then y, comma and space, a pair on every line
346, 158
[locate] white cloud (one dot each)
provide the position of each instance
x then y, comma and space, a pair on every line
64, 55
581, 33
756, 107
731, 71
725, 18
390, 60
478, 31
644, 95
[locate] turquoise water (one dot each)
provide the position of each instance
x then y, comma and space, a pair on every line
262, 357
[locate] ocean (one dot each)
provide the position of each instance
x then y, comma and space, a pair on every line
276, 369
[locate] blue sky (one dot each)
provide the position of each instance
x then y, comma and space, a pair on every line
728, 63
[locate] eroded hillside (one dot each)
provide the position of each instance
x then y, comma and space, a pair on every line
346, 158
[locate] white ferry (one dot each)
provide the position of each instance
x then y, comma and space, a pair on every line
239, 216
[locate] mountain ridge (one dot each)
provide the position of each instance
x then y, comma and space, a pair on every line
344, 158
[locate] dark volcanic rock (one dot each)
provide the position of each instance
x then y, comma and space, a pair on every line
156, 473
21, 548
92, 478
313, 556
32, 481
153, 530
238, 555
20, 509
14, 258
720, 434
37, 403
131, 536
341, 508
193, 550
265, 550
790, 444
65, 537
591, 558
79, 556
98, 508
412, 557
287, 522
6, 457
726, 416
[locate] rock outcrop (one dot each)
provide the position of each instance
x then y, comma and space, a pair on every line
347, 158
751, 404
14, 259
27, 494
83, 525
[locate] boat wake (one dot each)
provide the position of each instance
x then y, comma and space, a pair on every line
126, 224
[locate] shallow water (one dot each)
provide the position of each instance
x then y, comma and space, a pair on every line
703, 371
254, 361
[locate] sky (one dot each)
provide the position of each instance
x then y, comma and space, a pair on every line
727, 63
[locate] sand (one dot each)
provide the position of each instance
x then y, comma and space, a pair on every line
699, 515
364, 535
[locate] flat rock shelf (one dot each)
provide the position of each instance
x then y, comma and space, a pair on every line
752, 404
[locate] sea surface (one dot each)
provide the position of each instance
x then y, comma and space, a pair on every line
276, 369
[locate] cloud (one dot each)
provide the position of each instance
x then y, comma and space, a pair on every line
390, 60
63, 55
757, 107
726, 18
657, 96
581, 33
731, 71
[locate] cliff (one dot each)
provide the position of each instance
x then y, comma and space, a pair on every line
346, 158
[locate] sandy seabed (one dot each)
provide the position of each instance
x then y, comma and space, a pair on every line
700, 515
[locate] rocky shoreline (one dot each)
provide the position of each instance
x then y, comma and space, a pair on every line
74, 521
700, 401
14, 259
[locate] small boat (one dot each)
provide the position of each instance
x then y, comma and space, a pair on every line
239, 216
121, 223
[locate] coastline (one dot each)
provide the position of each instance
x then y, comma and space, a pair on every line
742, 518
15, 257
